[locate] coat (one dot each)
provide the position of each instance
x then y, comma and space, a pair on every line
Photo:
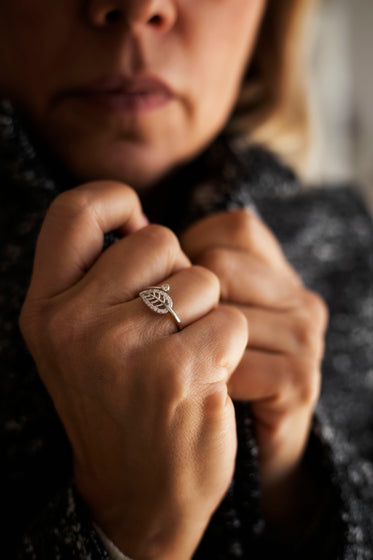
327, 235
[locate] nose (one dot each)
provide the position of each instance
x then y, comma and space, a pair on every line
136, 14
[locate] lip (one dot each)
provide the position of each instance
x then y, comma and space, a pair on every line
135, 94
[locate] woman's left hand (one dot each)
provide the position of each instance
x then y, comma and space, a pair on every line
280, 371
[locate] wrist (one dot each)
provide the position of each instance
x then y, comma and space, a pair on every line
146, 531
158, 540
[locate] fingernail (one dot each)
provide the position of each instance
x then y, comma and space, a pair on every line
144, 220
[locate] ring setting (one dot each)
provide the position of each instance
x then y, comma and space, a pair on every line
159, 301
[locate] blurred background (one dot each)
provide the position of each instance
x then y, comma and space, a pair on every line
341, 81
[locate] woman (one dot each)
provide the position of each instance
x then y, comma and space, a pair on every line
124, 141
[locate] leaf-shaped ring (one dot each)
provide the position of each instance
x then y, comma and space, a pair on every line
158, 300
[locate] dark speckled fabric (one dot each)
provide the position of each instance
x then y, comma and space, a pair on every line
328, 237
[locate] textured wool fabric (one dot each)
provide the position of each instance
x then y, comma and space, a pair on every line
327, 236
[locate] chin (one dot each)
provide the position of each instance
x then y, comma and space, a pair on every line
137, 164
139, 160
137, 171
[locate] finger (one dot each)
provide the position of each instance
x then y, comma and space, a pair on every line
194, 291
220, 337
142, 259
277, 378
71, 237
245, 279
296, 332
239, 229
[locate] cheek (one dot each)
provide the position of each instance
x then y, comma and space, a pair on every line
221, 45
31, 33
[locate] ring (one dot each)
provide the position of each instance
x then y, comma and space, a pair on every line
158, 300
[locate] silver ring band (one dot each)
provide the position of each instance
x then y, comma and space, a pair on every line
159, 301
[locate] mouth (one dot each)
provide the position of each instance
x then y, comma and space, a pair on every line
123, 94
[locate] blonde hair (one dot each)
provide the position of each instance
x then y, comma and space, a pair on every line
273, 106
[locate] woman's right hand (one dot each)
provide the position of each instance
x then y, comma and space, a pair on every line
145, 407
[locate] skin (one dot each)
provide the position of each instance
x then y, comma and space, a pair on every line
280, 371
200, 49
106, 359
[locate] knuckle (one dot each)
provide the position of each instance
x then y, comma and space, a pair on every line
233, 316
233, 336
73, 207
215, 259
309, 322
243, 227
163, 248
310, 392
243, 221
161, 237
28, 320
86, 199
219, 261
216, 399
203, 275
304, 332
132, 198
53, 331
305, 381
73, 202
316, 307
280, 432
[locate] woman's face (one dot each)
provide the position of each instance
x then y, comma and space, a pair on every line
126, 89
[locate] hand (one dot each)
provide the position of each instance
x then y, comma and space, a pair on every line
280, 370
146, 408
